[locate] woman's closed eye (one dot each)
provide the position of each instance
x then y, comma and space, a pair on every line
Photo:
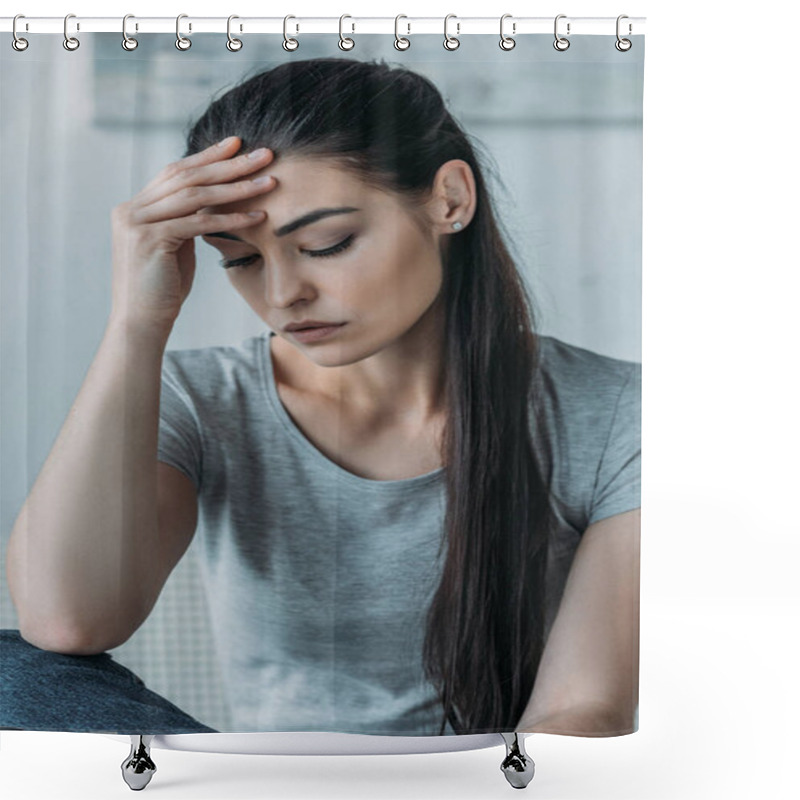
245, 261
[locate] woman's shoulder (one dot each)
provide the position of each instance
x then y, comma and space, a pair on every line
583, 391
204, 366
572, 367
216, 374
590, 431
576, 376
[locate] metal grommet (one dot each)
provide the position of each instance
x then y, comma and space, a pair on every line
128, 42
506, 42
18, 43
561, 43
233, 44
451, 42
70, 42
182, 43
623, 45
289, 43
344, 42
399, 42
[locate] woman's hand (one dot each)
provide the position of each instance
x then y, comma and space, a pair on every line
153, 233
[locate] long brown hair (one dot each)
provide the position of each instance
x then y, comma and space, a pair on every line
389, 126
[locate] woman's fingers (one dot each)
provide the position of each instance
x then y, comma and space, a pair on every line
224, 149
181, 228
191, 199
214, 165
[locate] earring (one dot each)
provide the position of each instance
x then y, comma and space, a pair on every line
457, 226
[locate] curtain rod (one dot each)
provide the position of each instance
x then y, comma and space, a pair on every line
407, 26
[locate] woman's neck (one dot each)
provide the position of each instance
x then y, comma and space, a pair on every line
403, 383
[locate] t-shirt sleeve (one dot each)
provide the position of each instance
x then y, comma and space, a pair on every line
179, 442
618, 484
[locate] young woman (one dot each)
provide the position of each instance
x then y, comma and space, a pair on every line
418, 515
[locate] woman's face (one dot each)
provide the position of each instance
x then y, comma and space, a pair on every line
368, 265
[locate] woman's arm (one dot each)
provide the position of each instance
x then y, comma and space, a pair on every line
80, 560
588, 679
86, 559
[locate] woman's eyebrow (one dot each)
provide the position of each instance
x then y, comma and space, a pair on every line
290, 227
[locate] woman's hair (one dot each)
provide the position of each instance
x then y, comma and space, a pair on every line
389, 127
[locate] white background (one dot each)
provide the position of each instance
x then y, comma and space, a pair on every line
720, 594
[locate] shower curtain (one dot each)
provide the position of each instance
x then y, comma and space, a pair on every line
210, 523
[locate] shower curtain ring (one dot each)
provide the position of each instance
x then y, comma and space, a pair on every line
401, 43
288, 42
70, 42
182, 43
451, 42
506, 42
128, 42
561, 43
623, 45
233, 44
18, 43
346, 43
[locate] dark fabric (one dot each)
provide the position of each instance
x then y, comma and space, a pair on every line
45, 691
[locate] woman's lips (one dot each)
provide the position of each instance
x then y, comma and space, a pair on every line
314, 334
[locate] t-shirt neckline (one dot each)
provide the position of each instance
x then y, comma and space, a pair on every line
319, 458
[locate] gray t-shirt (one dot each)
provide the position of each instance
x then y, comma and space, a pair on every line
317, 579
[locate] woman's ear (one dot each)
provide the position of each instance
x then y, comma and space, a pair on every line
453, 196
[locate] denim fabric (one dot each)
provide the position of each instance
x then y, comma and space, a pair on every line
45, 691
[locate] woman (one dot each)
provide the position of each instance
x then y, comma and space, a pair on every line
354, 582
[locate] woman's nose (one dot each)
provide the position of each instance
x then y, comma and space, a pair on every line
285, 286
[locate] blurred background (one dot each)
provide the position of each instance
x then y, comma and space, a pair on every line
81, 132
